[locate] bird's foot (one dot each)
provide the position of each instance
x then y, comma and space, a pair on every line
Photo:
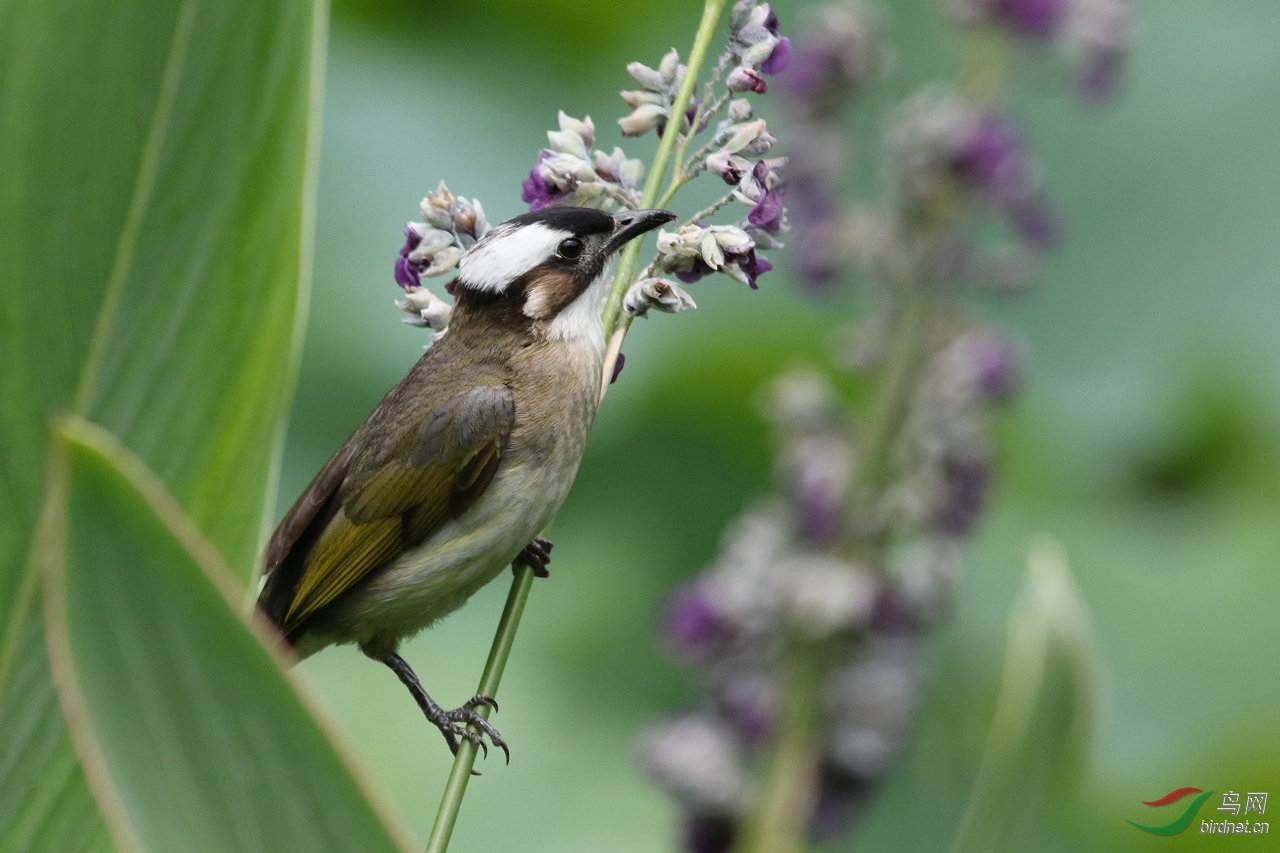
537, 556
457, 724
453, 724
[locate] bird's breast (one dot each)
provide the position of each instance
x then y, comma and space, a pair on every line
555, 387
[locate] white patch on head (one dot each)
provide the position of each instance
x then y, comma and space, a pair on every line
506, 253
580, 321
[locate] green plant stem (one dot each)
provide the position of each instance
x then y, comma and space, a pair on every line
456, 786
778, 822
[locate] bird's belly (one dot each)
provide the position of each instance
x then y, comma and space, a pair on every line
432, 580
429, 582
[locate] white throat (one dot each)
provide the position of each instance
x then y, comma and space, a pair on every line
580, 321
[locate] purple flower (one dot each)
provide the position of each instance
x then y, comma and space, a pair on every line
780, 57
963, 493
693, 624
749, 702
996, 366
754, 266
694, 251
1037, 19
816, 502
768, 209
1100, 74
535, 191
407, 271
1035, 222
992, 158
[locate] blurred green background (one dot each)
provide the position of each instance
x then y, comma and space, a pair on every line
1147, 439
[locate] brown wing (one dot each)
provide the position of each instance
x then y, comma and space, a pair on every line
411, 467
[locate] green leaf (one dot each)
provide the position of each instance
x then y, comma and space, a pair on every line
155, 208
191, 738
1046, 711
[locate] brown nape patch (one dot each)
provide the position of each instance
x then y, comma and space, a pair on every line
548, 291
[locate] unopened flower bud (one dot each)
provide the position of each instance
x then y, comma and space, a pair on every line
639, 97
437, 207
645, 76
641, 120
740, 110
583, 128
656, 293
469, 221
421, 239
428, 310
753, 133
443, 261
728, 167
743, 79
755, 56
741, 14
670, 68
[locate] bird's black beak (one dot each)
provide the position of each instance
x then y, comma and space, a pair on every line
630, 224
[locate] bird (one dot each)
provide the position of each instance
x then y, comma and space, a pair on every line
462, 464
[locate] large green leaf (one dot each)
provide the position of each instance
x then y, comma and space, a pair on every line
155, 208
190, 736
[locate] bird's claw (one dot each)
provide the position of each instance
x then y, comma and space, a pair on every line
537, 556
458, 722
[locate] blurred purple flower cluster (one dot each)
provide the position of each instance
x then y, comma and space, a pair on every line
1093, 35
842, 572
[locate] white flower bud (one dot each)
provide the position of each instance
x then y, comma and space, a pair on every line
437, 207
740, 110
566, 142
710, 250
644, 118
743, 79
432, 240
746, 135
638, 97
827, 595
658, 293
754, 56
632, 171
645, 76
479, 225
429, 310
729, 167
443, 261
583, 127
732, 239
741, 14
669, 68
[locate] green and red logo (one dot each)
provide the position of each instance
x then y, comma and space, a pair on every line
1182, 821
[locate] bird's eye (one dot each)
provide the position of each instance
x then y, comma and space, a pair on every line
570, 249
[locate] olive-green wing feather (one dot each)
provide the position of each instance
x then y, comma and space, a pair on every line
385, 491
